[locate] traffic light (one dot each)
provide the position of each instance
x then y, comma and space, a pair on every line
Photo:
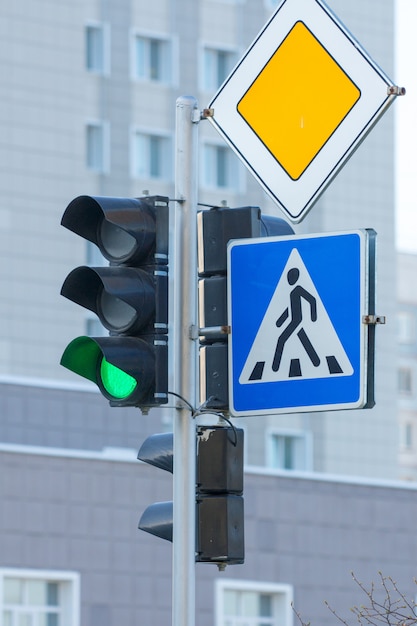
130, 297
216, 227
220, 512
158, 450
219, 488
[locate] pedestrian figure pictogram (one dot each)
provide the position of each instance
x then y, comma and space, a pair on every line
295, 309
299, 342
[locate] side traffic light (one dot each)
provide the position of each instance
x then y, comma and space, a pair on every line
216, 227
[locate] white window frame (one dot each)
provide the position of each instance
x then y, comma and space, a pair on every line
406, 435
205, 83
171, 69
405, 372
234, 186
406, 327
167, 175
305, 437
104, 27
286, 614
104, 167
70, 582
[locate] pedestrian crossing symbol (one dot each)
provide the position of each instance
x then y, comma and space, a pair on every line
298, 340
301, 342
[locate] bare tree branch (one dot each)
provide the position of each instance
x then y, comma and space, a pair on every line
393, 609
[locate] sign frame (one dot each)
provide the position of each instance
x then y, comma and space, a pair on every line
256, 268
296, 197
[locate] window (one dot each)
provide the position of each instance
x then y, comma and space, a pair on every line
217, 66
406, 435
152, 156
97, 48
241, 603
97, 149
152, 58
405, 380
289, 451
220, 167
406, 327
39, 598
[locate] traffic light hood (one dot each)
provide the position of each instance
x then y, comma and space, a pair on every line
124, 229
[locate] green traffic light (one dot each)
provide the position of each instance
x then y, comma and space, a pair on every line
115, 381
122, 367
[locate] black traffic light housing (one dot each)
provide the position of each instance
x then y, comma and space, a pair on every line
216, 227
219, 488
220, 509
130, 297
158, 450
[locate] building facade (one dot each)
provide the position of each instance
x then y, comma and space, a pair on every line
88, 107
72, 492
407, 338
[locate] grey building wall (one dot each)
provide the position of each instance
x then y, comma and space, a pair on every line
72, 419
81, 514
72, 492
407, 365
46, 99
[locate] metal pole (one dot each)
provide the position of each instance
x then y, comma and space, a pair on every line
184, 291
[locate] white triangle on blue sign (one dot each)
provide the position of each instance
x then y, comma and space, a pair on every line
296, 339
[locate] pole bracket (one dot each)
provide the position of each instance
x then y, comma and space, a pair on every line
193, 332
214, 331
394, 90
205, 113
373, 319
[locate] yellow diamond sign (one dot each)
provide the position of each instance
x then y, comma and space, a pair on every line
299, 102
312, 96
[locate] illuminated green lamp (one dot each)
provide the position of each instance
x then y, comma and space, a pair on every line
122, 367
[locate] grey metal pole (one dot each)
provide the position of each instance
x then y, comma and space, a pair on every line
184, 292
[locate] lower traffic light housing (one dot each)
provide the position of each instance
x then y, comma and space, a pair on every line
220, 507
219, 531
157, 518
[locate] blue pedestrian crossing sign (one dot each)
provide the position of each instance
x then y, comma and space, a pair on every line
299, 308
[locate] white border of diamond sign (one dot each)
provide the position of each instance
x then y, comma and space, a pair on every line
298, 308
296, 197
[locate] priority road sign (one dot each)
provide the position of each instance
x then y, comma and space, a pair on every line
299, 102
298, 312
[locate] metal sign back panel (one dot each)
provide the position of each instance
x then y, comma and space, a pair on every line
296, 310
299, 102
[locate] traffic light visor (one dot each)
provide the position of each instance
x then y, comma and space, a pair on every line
124, 229
81, 357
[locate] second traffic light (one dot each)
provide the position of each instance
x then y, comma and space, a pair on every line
129, 297
219, 532
220, 510
216, 227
